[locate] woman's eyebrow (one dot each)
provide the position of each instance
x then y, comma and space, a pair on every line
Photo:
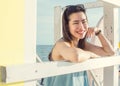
76, 20
79, 20
84, 20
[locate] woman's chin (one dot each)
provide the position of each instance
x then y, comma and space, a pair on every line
81, 37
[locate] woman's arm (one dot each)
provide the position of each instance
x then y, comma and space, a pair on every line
64, 50
105, 50
107, 47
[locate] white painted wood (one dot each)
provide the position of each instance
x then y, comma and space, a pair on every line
57, 23
38, 59
111, 25
30, 31
96, 4
30, 35
111, 76
111, 32
40, 70
112, 2
96, 79
90, 5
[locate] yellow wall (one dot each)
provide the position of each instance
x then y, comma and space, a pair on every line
11, 33
119, 44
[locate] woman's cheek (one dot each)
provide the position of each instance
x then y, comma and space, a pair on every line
86, 26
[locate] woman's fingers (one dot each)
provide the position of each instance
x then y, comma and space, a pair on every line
91, 32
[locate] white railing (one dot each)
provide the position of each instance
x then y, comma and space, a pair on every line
34, 71
39, 82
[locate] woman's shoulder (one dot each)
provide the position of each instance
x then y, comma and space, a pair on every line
62, 42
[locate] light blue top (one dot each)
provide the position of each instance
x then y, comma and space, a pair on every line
73, 79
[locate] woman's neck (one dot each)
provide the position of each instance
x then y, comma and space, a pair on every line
74, 43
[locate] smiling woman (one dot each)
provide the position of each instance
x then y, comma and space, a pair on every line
78, 32
45, 19
73, 46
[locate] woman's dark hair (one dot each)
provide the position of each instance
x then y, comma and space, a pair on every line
65, 20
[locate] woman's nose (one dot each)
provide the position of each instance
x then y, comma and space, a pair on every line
81, 26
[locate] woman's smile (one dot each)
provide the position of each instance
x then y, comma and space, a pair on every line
80, 32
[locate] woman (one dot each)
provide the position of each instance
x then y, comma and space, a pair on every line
73, 46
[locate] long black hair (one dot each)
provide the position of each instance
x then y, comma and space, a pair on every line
65, 20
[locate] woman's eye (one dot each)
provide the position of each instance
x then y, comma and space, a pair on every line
75, 23
84, 22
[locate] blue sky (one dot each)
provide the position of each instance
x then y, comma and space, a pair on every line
45, 18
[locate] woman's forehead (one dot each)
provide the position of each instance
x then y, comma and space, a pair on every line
77, 16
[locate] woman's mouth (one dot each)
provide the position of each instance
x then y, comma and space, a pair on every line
80, 32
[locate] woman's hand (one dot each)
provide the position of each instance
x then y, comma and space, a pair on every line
91, 31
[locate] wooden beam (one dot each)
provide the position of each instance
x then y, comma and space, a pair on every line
57, 23
90, 5
96, 4
28, 72
111, 76
112, 33
115, 3
30, 29
111, 24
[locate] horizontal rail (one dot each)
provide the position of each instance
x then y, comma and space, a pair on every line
33, 71
100, 3
112, 2
96, 4
90, 5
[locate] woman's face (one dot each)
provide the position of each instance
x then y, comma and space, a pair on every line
78, 25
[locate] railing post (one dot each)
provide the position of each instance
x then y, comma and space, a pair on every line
57, 23
111, 32
111, 76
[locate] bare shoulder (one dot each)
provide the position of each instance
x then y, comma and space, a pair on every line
62, 43
59, 46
